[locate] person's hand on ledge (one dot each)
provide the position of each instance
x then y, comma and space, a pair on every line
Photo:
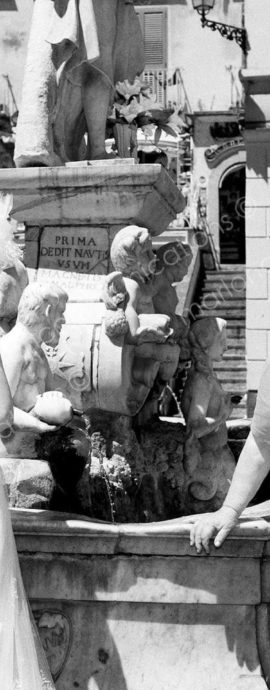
208, 525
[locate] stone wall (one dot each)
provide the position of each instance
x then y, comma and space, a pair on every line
132, 606
257, 115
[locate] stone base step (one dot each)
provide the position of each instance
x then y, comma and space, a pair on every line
221, 368
234, 330
228, 268
233, 378
232, 311
233, 282
239, 411
223, 295
227, 275
233, 357
236, 387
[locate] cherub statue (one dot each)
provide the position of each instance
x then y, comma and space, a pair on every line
172, 264
151, 334
38, 409
77, 52
13, 274
206, 408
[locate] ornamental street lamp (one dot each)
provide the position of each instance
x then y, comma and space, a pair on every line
232, 33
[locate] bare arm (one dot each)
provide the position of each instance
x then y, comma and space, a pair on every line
6, 408
12, 358
253, 466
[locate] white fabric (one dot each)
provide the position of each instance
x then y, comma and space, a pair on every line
23, 665
74, 30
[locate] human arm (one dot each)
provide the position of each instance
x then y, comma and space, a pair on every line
12, 353
253, 466
6, 407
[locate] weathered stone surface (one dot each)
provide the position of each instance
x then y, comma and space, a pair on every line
169, 618
145, 579
100, 194
29, 482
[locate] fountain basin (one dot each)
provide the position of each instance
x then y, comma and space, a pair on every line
133, 607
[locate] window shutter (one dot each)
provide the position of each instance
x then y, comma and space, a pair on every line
8, 6
153, 25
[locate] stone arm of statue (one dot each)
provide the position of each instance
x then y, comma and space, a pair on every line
130, 311
49, 382
252, 468
197, 419
146, 327
26, 421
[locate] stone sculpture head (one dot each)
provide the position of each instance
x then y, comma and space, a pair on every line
207, 337
41, 310
132, 253
174, 259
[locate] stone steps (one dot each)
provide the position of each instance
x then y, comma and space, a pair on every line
235, 329
228, 313
235, 345
224, 292
232, 356
224, 295
238, 364
233, 377
228, 268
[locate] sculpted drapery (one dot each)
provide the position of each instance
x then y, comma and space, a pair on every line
78, 50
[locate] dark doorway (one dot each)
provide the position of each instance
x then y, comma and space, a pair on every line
232, 217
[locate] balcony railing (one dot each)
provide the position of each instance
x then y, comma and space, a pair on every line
157, 80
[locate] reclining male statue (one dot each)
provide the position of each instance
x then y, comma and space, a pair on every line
43, 425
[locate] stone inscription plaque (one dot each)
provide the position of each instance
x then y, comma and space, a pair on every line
72, 281
80, 250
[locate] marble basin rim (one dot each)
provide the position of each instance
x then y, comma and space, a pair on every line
94, 536
143, 597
